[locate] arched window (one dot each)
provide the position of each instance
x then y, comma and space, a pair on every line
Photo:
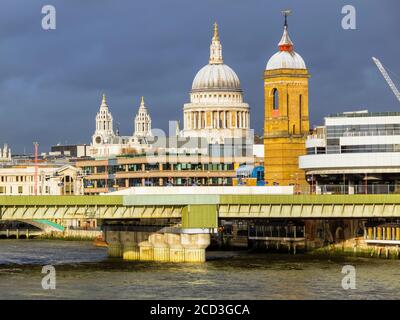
275, 102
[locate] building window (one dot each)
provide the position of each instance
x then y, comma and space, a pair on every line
134, 167
275, 102
151, 167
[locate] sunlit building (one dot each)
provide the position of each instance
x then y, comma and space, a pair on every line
286, 123
113, 174
51, 180
355, 152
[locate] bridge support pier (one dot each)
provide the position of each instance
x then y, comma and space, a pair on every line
195, 246
146, 251
114, 244
130, 248
161, 247
176, 250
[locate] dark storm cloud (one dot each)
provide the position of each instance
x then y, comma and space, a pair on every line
51, 81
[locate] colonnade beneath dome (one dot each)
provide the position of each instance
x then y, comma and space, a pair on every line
216, 119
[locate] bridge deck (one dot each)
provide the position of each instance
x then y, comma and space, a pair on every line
202, 209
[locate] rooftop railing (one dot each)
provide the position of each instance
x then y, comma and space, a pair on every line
364, 114
352, 189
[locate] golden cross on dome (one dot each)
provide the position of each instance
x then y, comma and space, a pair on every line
216, 35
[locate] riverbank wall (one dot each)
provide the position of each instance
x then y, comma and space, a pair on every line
72, 235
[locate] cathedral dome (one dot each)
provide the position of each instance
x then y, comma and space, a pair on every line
216, 111
216, 77
286, 57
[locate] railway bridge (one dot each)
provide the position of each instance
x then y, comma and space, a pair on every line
176, 227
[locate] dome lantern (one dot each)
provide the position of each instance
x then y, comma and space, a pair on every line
216, 48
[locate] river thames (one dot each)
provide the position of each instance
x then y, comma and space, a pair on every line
85, 272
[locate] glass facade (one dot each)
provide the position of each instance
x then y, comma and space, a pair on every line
389, 129
333, 134
371, 148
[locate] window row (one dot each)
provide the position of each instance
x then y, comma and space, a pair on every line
22, 190
363, 130
124, 183
19, 178
156, 167
355, 149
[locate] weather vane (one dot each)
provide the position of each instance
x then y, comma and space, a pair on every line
286, 13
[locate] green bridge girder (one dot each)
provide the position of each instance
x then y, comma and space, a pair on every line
198, 211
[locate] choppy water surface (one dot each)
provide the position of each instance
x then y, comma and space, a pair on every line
85, 272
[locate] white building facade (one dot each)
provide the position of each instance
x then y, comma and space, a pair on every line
359, 151
51, 180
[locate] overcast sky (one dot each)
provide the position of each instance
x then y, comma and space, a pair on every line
51, 81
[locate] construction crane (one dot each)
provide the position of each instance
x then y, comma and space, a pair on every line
387, 78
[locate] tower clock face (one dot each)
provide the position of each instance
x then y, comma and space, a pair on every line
98, 140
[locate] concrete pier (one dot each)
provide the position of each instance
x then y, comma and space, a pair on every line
130, 247
114, 244
160, 247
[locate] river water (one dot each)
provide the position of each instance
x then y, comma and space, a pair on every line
85, 272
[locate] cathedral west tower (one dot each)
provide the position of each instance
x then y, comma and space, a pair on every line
104, 125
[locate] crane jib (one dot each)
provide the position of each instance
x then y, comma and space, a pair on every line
387, 78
